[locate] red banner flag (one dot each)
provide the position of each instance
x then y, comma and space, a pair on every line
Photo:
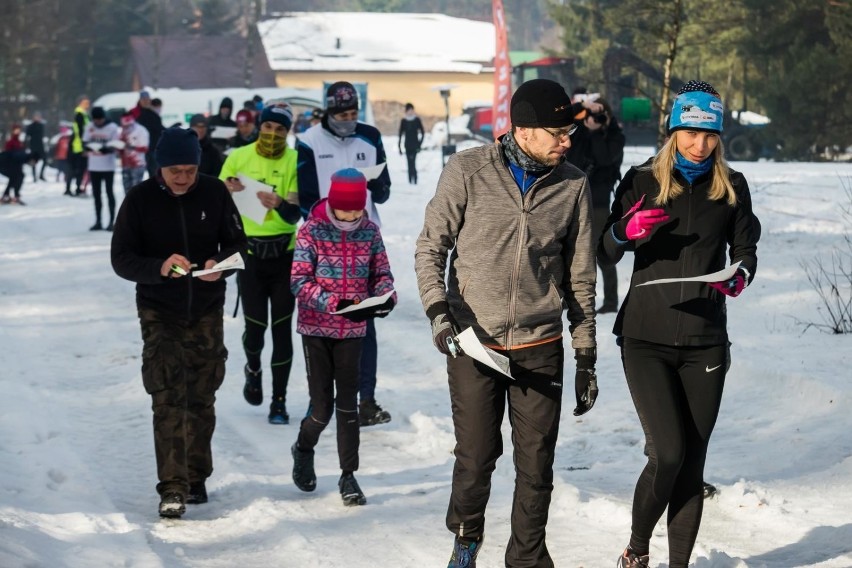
500, 121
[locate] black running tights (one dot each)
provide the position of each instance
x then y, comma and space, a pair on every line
265, 288
677, 392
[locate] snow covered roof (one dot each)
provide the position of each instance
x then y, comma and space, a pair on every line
368, 41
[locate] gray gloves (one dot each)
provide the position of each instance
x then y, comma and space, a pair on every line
444, 327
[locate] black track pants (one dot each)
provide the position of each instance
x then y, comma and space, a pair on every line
105, 180
677, 392
332, 364
479, 397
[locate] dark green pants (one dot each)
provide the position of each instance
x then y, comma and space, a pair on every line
183, 364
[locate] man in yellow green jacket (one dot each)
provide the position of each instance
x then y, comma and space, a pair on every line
76, 156
265, 282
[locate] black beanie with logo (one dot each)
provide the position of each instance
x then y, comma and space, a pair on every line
541, 103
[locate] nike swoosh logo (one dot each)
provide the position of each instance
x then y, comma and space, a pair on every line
707, 369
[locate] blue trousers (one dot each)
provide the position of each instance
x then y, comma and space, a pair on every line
369, 363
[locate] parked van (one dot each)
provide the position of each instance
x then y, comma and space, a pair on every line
180, 104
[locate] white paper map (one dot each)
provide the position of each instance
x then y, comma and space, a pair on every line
368, 303
474, 349
246, 200
233, 262
223, 132
372, 172
721, 276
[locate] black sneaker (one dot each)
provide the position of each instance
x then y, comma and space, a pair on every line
96, 227
278, 412
464, 553
350, 491
253, 390
172, 505
709, 490
607, 309
630, 559
370, 413
304, 475
197, 494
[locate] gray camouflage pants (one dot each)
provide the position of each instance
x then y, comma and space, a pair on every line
183, 364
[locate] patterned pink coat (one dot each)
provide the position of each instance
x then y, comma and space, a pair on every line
330, 265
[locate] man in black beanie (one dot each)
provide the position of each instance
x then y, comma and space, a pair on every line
518, 220
168, 226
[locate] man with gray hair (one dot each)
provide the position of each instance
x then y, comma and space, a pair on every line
168, 226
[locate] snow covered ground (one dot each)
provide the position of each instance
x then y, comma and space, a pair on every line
77, 468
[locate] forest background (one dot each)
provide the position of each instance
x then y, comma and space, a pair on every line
790, 60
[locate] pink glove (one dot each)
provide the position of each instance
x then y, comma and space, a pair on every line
733, 287
643, 221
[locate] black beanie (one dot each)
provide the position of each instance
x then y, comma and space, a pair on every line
281, 114
226, 103
340, 97
98, 112
178, 147
541, 103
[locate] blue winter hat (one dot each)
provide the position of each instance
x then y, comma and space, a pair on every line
697, 106
178, 147
281, 114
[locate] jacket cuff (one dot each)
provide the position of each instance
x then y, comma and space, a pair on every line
437, 309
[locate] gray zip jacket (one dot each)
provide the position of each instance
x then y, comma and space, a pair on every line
517, 261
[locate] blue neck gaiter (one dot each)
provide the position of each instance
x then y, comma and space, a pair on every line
690, 170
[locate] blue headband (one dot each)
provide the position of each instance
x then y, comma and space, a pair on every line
696, 110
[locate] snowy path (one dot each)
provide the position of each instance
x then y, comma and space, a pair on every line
76, 454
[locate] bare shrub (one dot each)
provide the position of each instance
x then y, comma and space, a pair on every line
832, 280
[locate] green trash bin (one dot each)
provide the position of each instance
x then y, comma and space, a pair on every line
635, 109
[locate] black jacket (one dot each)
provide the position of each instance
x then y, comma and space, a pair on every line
35, 138
693, 242
153, 124
152, 224
598, 153
12, 163
411, 134
211, 158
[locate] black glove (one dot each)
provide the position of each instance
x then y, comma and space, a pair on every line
585, 381
444, 327
345, 303
379, 311
379, 190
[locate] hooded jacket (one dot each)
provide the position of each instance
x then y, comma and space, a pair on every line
330, 265
694, 241
218, 120
517, 261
